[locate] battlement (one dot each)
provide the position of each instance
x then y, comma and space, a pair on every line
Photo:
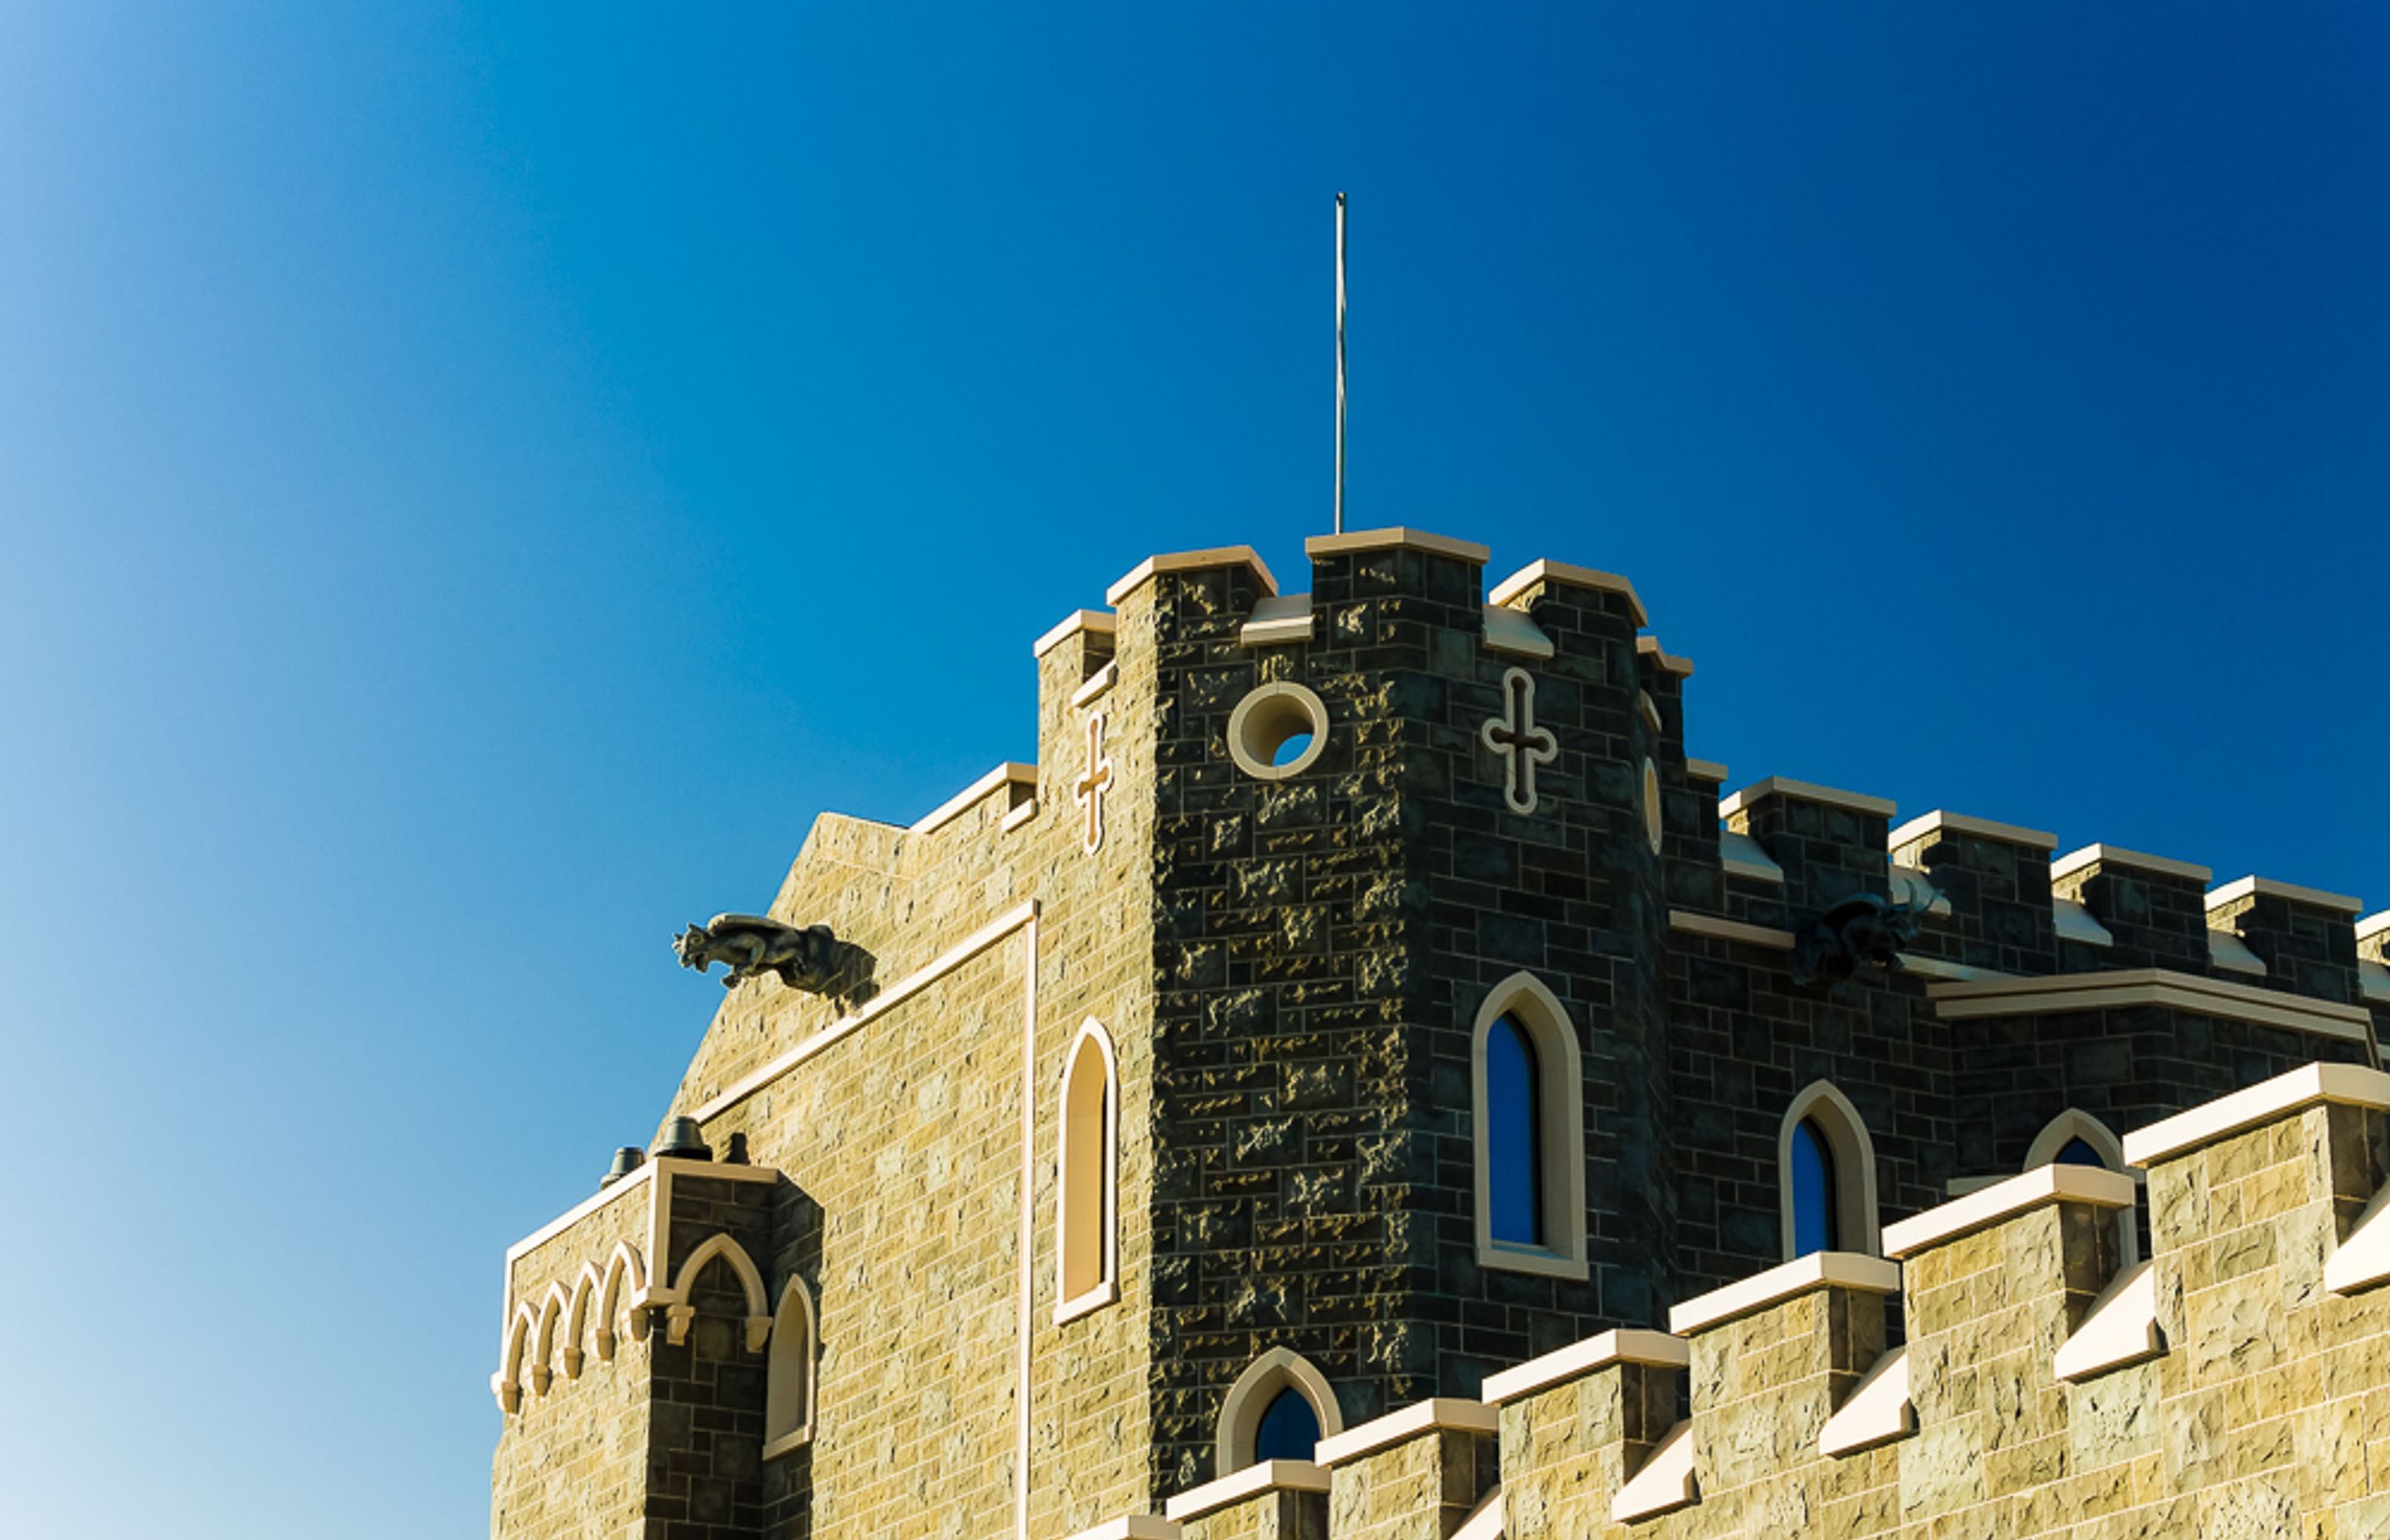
2233, 1383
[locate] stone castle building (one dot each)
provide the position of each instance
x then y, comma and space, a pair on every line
1363, 1080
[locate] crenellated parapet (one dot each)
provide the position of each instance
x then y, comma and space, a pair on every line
2231, 1384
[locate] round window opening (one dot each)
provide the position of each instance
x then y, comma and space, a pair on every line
1276, 731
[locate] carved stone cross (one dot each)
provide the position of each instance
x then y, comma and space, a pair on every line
1089, 792
1515, 736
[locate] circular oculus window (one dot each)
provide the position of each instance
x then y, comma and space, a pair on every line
1276, 731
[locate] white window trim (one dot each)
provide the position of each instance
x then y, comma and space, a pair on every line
1560, 1094
2076, 1123
798, 1294
1106, 1289
1250, 1398
1854, 1154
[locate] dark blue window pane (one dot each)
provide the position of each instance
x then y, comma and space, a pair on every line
1813, 1192
1513, 1142
2078, 1152
1289, 1429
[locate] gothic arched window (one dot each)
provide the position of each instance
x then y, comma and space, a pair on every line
1513, 1139
1812, 1175
1087, 1246
1278, 1409
1289, 1429
789, 1373
1528, 1125
1826, 1175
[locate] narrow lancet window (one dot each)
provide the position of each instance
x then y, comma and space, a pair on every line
789, 1373
1289, 1431
1086, 1204
1815, 1227
1513, 1134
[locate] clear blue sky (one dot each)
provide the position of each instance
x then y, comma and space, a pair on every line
472, 487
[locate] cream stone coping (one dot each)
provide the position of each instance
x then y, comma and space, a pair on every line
2374, 981
1947, 970
1625, 1345
1020, 815
1705, 769
2350, 1085
1132, 1526
879, 1005
1103, 623
1665, 1480
1276, 621
1744, 856
1648, 710
1562, 574
1877, 1411
1511, 631
1097, 682
1010, 773
1729, 929
2228, 951
1909, 884
1153, 567
1444, 1413
2117, 855
1394, 537
1648, 646
2075, 923
2363, 1260
1485, 1521
2121, 1329
2266, 887
2055, 995
1960, 823
1816, 1270
2005, 1199
1251, 1481
1808, 792
2373, 925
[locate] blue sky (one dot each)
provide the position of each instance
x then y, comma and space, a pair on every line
475, 482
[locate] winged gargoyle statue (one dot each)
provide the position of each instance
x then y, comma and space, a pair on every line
752, 946
1829, 948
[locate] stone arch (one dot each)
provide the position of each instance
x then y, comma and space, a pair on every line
1242, 1408
621, 1266
587, 1286
553, 1308
2076, 1123
1824, 1107
719, 1247
507, 1384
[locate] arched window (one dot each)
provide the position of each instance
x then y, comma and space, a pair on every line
789, 1373
1086, 1248
1813, 1191
1826, 1174
2076, 1137
1288, 1429
1514, 1182
1528, 1126
1278, 1409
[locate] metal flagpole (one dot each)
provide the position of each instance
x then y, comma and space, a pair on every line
1339, 363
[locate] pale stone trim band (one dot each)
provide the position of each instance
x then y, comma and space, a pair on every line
1959, 823
1102, 623
2005, 1199
2117, 855
2121, 1329
2266, 887
1393, 538
1665, 1480
1807, 791
2149, 986
1251, 1481
1443, 1412
1010, 773
1729, 929
1562, 575
1816, 1270
1877, 1411
1145, 571
2352, 1084
1625, 1345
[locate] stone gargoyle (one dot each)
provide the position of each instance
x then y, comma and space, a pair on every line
752, 946
1829, 948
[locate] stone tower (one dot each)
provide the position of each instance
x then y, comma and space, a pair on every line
1151, 1083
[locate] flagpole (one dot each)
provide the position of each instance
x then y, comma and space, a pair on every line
1339, 363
